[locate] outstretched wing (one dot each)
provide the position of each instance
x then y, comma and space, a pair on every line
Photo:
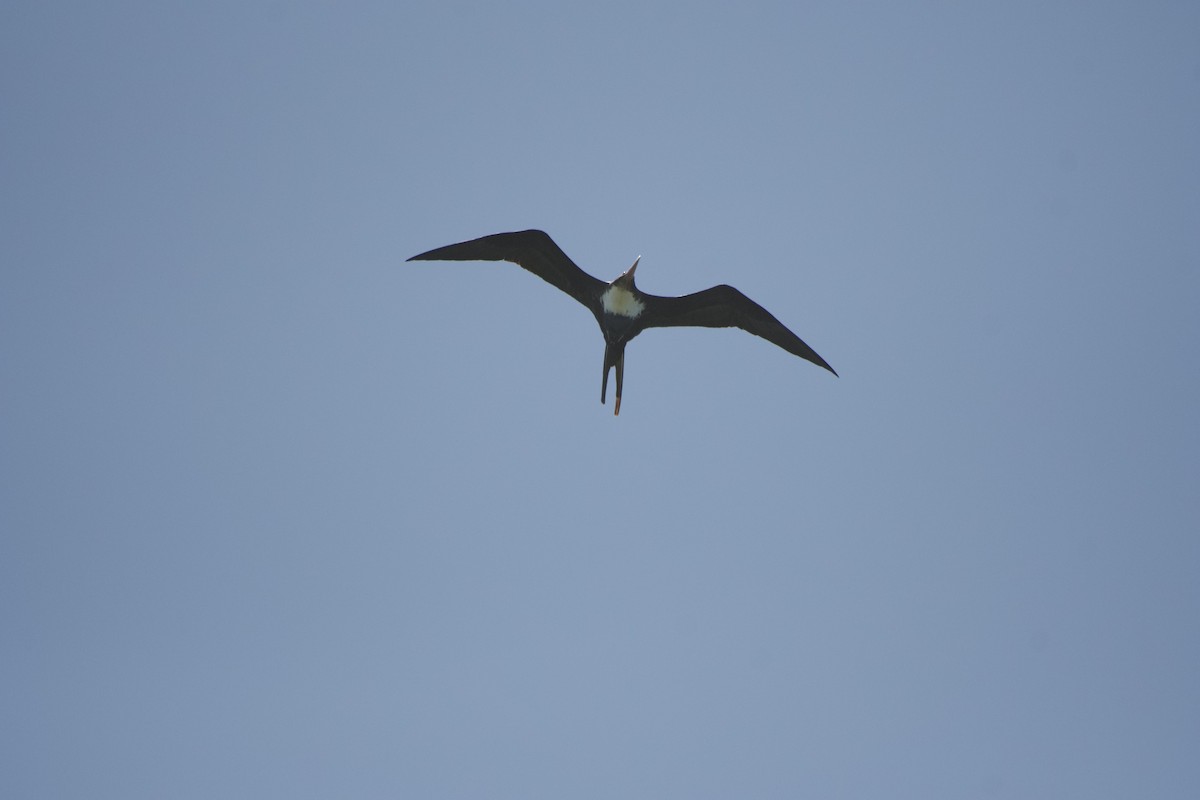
533, 250
725, 307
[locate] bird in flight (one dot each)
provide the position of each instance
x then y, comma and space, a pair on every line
623, 310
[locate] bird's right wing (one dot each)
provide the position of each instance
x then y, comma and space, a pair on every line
725, 307
533, 250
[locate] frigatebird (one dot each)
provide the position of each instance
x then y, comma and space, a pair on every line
623, 310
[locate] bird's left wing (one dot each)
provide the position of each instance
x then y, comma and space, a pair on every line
533, 250
725, 307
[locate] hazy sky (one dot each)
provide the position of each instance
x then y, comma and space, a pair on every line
282, 515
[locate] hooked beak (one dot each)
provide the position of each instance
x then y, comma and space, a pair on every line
629, 272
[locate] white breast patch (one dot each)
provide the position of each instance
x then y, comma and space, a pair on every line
621, 302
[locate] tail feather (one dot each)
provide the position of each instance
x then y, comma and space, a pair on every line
613, 357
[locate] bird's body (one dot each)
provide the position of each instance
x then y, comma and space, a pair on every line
621, 309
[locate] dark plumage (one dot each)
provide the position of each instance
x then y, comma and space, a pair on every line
621, 309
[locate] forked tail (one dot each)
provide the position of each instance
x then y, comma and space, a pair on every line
613, 359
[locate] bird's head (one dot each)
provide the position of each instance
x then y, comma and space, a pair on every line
626, 279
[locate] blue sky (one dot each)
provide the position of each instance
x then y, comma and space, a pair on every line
285, 516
